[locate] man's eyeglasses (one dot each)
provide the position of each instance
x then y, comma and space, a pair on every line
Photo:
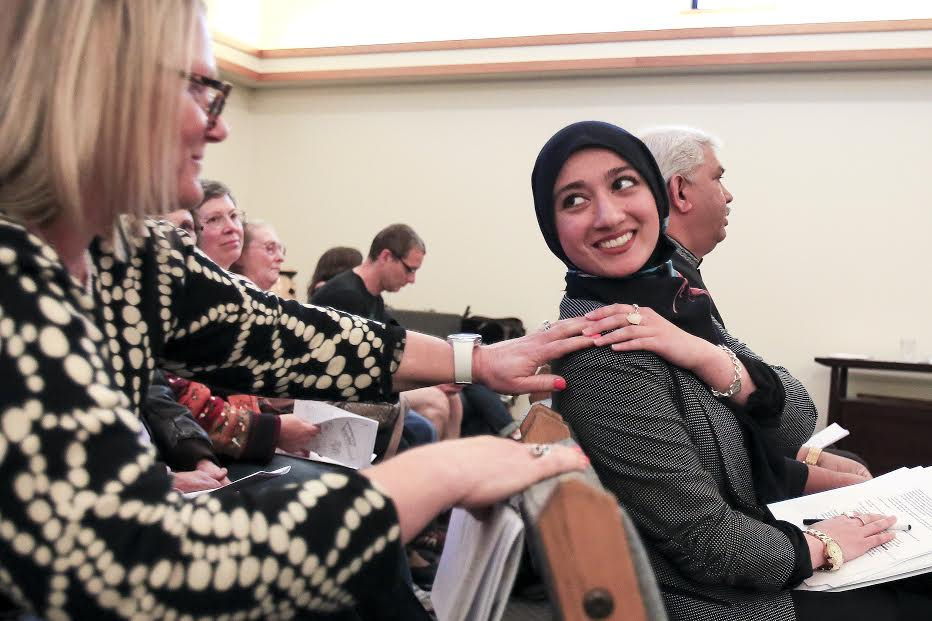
408, 268
211, 94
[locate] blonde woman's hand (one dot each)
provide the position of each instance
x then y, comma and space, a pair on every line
471, 473
510, 366
496, 468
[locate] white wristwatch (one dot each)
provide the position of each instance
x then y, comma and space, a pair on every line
463, 345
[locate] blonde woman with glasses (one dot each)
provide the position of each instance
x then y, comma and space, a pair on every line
106, 112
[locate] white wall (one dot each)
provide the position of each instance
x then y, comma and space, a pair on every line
827, 243
320, 23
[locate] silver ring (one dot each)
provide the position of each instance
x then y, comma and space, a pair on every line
545, 326
539, 450
634, 317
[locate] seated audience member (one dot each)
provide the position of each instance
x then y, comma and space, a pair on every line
332, 262
679, 418
94, 298
699, 209
395, 256
182, 444
262, 256
241, 427
182, 219
218, 223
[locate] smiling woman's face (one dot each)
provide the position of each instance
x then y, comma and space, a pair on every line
221, 230
196, 129
605, 214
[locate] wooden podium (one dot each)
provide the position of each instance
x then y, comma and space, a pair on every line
888, 432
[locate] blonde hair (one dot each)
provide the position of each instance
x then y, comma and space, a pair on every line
84, 84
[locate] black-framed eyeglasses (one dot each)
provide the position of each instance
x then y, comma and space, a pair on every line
408, 268
212, 94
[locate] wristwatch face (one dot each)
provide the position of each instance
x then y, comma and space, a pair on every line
834, 554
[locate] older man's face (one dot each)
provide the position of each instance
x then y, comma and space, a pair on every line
709, 197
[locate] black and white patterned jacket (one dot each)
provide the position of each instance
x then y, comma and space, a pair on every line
88, 525
675, 457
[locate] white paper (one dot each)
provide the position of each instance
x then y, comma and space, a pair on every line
478, 566
246, 481
345, 438
828, 436
905, 493
312, 456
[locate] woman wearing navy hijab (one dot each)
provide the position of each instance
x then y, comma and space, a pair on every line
683, 423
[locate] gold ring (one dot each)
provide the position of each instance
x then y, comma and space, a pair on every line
634, 317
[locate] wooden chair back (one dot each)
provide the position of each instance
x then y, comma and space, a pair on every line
592, 560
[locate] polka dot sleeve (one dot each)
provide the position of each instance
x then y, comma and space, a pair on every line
88, 525
223, 330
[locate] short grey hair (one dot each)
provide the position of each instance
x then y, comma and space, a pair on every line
678, 149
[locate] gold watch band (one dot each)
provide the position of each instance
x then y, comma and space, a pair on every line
834, 557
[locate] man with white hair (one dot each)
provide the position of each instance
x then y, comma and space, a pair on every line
699, 211
698, 198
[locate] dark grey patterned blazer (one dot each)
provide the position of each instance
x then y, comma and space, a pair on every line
675, 457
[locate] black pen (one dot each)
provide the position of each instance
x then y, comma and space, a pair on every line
811, 521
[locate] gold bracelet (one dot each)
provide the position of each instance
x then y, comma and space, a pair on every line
834, 557
812, 457
735, 386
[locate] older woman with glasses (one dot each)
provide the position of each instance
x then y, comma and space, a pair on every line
219, 224
93, 298
262, 256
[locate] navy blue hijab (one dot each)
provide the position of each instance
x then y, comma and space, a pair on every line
655, 284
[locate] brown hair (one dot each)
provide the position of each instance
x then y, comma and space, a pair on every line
333, 262
399, 239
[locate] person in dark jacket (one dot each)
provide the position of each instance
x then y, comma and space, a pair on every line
684, 423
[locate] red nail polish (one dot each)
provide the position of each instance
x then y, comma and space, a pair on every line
559, 383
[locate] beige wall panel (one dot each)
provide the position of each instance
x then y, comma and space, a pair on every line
828, 241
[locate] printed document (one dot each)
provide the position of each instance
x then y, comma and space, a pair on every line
905, 493
345, 439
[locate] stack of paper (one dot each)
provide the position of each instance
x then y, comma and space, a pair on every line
905, 493
478, 566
